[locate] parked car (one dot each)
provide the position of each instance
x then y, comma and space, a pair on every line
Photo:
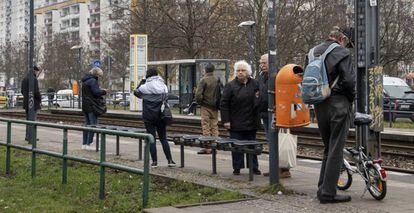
398, 97
173, 100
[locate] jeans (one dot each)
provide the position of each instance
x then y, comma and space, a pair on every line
237, 157
29, 127
161, 129
333, 116
90, 119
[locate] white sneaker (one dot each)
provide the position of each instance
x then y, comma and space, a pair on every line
90, 148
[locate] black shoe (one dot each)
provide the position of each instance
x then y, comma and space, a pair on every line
236, 172
257, 172
171, 163
336, 199
154, 164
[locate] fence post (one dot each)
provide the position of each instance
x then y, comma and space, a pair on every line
65, 161
8, 148
102, 168
34, 146
145, 189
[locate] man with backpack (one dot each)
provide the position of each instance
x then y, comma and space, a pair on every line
332, 97
208, 96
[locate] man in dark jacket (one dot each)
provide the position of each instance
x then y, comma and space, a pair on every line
37, 99
334, 113
263, 84
90, 93
206, 98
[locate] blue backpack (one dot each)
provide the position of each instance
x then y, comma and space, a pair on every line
315, 85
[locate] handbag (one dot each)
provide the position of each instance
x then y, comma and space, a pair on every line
287, 149
166, 114
98, 105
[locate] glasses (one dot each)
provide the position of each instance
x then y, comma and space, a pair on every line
241, 70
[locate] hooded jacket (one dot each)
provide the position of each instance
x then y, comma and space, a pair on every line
153, 92
239, 105
36, 93
90, 91
339, 63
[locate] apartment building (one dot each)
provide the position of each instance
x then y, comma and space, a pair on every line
14, 20
82, 20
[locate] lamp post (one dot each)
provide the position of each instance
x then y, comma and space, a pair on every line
250, 25
79, 48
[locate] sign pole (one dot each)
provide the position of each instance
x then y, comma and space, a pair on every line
273, 136
31, 109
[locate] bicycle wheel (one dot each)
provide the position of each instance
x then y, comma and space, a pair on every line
345, 178
377, 187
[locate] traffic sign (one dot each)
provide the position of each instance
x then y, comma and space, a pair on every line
97, 63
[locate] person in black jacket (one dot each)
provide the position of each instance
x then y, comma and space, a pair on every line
263, 83
154, 92
37, 99
90, 92
239, 111
334, 113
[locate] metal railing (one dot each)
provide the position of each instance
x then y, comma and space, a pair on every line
102, 163
392, 109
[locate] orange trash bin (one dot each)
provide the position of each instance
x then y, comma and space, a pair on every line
290, 110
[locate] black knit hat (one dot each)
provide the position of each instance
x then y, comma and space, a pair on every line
350, 34
210, 68
151, 72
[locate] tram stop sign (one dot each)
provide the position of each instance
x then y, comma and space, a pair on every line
96, 63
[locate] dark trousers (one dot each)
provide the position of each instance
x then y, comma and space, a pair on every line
29, 127
237, 157
333, 120
161, 129
90, 119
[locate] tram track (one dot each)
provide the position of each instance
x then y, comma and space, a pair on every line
305, 140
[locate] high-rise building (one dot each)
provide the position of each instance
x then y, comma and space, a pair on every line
82, 20
14, 20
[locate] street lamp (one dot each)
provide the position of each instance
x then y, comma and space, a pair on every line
250, 25
79, 48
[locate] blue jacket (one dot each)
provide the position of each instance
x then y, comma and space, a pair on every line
90, 88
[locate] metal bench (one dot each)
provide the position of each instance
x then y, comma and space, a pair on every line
250, 148
216, 143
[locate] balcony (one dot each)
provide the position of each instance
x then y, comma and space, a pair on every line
95, 11
95, 24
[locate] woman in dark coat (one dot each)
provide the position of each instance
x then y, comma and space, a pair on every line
239, 111
90, 93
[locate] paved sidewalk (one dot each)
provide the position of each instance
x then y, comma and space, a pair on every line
198, 169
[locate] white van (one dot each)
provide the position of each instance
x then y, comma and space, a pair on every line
63, 99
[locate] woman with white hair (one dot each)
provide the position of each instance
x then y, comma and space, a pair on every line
239, 111
90, 95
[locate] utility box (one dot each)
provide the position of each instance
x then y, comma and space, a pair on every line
290, 110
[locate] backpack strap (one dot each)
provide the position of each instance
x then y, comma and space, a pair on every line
311, 56
327, 51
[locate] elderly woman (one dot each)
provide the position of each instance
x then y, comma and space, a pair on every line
239, 111
153, 92
90, 95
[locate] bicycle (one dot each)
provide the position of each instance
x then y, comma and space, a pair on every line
372, 173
